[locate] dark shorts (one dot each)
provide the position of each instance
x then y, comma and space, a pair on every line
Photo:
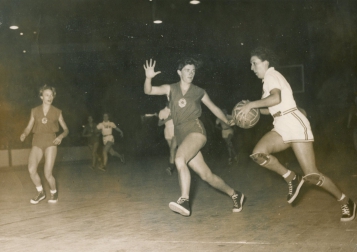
182, 130
43, 141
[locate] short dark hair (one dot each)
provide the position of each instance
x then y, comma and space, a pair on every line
265, 54
45, 87
188, 61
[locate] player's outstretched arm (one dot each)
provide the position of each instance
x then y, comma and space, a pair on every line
264, 111
150, 73
214, 109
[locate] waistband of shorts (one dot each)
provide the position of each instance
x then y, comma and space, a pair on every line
279, 113
185, 122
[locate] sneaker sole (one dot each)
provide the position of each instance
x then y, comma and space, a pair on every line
36, 202
52, 201
296, 192
179, 209
353, 216
237, 210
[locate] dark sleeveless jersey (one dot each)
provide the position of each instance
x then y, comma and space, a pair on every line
185, 108
46, 124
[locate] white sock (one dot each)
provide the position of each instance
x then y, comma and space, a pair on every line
287, 174
342, 197
39, 188
53, 191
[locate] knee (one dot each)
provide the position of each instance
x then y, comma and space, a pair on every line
180, 162
207, 176
315, 178
48, 175
32, 170
261, 158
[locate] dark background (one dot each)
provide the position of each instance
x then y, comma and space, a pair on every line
93, 53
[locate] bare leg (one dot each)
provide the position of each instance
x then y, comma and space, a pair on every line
304, 153
35, 157
50, 157
200, 167
106, 149
189, 148
270, 143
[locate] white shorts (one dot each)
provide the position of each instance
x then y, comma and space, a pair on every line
293, 127
227, 132
169, 132
108, 138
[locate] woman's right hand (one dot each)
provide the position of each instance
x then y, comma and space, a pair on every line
149, 69
22, 137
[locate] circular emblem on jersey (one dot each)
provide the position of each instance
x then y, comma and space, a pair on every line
182, 102
44, 120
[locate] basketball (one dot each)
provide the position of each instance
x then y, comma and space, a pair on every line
249, 120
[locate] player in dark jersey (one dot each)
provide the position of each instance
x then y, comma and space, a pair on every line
44, 122
185, 105
92, 134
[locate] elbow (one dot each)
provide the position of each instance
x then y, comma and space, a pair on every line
147, 91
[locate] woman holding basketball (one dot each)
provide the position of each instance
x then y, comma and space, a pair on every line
185, 105
291, 129
44, 124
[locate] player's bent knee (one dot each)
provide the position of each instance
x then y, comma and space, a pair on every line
315, 178
260, 158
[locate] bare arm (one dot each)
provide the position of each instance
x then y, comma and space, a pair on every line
264, 111
273, 99
65, 132
214, 109
120, 131
28, 128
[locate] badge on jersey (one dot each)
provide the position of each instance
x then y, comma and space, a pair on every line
182, 103
44, 120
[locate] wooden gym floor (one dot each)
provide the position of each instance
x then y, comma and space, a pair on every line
126, 209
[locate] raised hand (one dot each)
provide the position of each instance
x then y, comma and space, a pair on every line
149, 69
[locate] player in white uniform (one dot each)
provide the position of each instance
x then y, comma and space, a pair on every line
291, 129
108, 140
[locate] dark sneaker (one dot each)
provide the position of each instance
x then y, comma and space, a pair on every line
54, 198
102, 168
348, 211
294, 188
40, 196
238, 199
182, 206
169, 171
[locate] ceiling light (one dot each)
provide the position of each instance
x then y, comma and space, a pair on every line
157, 21
14, 27
194, 2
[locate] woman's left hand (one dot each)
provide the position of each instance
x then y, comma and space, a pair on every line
244, 110
57, 141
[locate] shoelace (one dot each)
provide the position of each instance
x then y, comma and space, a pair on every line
234, 198
181, 200
290, 184
345, 209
